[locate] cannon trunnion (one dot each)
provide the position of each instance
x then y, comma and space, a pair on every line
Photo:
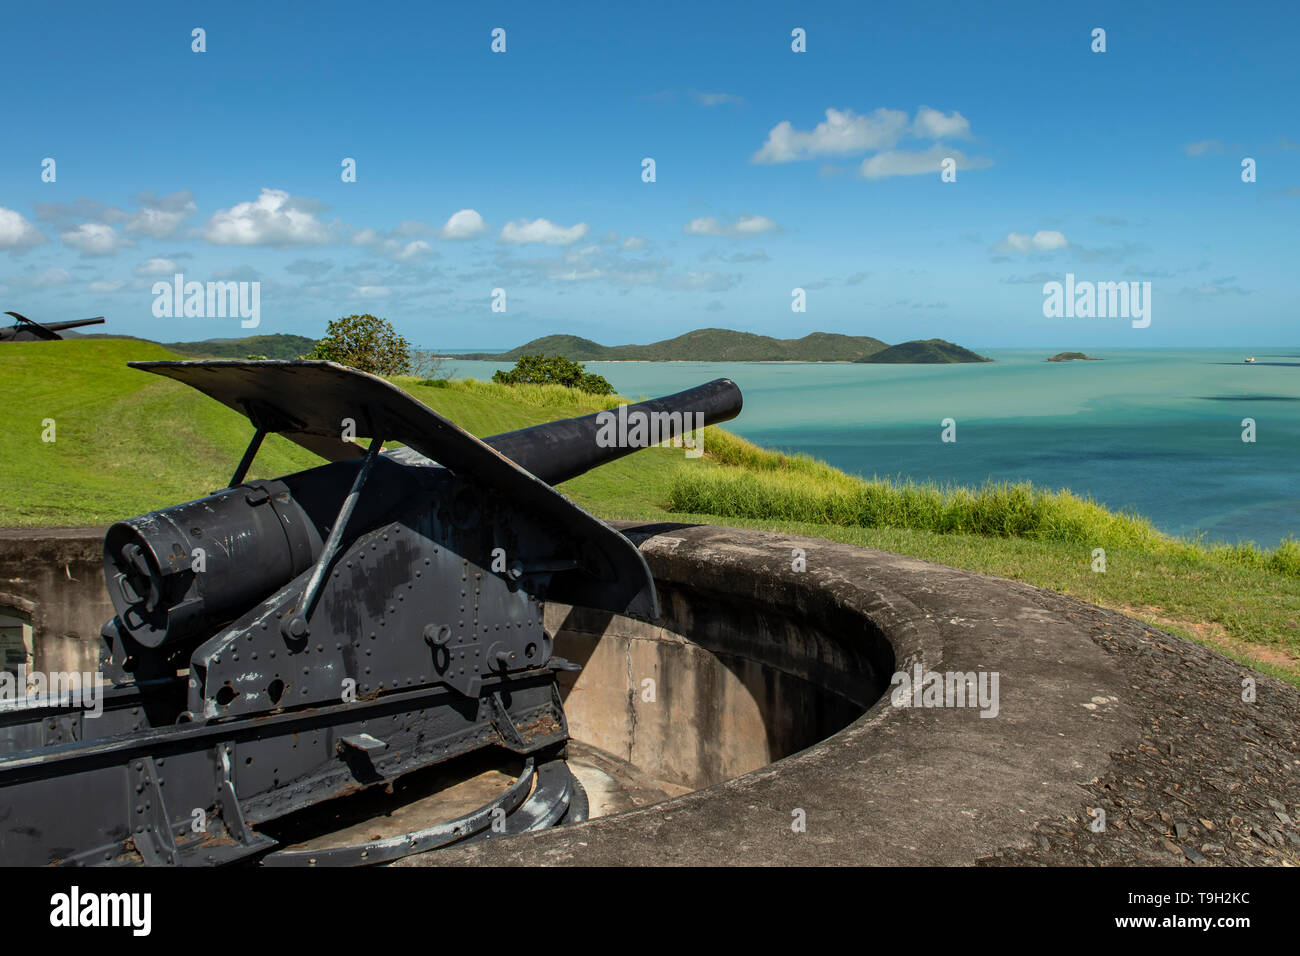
280, 643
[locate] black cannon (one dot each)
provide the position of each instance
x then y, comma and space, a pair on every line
25, 330
280, 643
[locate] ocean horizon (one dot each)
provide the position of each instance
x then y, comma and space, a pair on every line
1157, 432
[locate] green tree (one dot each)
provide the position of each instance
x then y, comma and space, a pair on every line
365, 342
554, 370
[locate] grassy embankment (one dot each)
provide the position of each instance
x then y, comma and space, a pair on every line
128, 442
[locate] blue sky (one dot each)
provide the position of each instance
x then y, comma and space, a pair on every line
225, 166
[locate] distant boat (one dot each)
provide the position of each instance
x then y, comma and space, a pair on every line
1250, 360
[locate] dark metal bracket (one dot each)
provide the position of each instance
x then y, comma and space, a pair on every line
294, 626
249, 454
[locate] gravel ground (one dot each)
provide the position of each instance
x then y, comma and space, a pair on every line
1215, 779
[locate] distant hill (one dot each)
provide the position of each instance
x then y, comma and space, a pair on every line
1073, 357
924, 352
573, 347
278, 346
702, 345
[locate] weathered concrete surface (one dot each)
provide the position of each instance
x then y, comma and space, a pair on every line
57, 576
1096, 710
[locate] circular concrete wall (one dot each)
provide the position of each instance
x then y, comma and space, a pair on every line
769, 704
724, 683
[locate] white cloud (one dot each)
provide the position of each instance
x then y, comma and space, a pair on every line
932, 124
1044, 240
1203, 147
274, 219
373, 291
743, 228
633, 243
95, 239
1216, 287
16, 232
753, 226
578, 275
842, 132
160, 217
412, 229
845, 132
542, 230
156, 267
415, 249
394, 249
466, 224
107, 285
735, 258
702, 282
603, 264
902, 162
704, 226
715, 99
49, 279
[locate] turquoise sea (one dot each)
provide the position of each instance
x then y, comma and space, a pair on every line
1158, 432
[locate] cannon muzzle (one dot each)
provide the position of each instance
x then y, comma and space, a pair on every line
558, 451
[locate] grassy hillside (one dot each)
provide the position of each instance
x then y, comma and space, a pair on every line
702, 345
128, 442
924, 352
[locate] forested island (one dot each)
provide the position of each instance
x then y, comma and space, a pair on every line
726, 345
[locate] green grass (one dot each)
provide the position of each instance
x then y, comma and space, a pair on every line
766, 485
129, 442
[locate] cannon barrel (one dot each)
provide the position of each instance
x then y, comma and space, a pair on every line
24, 329
558, 451
72, 324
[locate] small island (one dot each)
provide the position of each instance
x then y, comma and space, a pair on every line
924, 352
1073, 357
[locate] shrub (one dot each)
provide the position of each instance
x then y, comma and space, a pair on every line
554, 370
364, 342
